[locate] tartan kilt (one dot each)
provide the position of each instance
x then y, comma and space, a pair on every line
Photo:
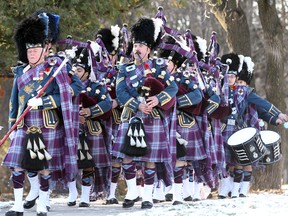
98, 149
195, 147
53, 140
157, 140
219, 144
228, 131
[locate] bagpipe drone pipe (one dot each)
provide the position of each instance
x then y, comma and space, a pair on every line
214, 100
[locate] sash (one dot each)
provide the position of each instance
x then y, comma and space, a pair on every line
28, 87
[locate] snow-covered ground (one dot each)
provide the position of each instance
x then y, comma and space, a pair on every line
262, 203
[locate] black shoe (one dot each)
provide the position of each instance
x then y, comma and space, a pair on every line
229, 194
48, 208
196, 200
13, 213
29, 204
138, 199
221, 197
189, 198
242, 195
71, 203
177, 203
112, 201
41, 213
155, 201
169, 197
83, 204
128, 203
146, 205
233, 197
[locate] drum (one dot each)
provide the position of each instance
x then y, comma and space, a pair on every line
247, 146
272, 141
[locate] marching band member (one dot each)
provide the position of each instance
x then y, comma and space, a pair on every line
92, 150
189, 140
244, 102
44, 140
143, 132
110, 41
76, 87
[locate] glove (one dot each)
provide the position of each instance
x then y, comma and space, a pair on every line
34, 102
12, 135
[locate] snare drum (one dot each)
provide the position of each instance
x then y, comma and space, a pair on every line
272, 141
247, 146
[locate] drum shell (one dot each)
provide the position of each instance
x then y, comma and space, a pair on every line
274, 153
250, 151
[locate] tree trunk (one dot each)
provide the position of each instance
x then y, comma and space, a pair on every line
270, 178
233, 19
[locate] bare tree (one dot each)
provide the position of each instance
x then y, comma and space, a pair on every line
274, 52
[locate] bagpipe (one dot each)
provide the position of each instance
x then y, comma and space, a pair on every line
216, 72
154, 85
87, 101
209, 74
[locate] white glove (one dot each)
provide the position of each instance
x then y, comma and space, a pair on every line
12, 135
70, 53
34, 102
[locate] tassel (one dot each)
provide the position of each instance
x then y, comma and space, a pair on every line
136, 134
141, 133
185, 142
47, 155
182, 141
85, 146
82, 157
129, 132
138, 143
29, 145
143, 143
132, 141
40, 155
79, 146
89, 157
41, 144
35, 146
32, 154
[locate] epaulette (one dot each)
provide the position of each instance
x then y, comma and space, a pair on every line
16, 68
123, 68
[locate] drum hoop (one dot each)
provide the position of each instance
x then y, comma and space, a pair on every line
247, 141
271, 132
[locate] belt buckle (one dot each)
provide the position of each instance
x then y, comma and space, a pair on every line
231, 121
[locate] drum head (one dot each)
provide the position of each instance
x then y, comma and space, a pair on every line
241, 136
269, 137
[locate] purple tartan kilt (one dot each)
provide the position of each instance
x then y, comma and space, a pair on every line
211, 150
195, 147
156, 138
53, 140
228, 131
115, 128
98, 149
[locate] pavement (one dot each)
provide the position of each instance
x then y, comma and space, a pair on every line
97, 208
